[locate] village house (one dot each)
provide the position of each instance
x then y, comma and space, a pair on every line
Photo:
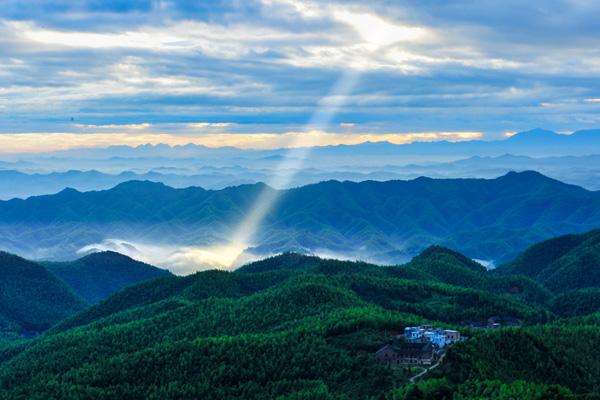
402, 352
425, 333
419, 345
451, 336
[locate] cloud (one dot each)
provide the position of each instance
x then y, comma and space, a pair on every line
376, 30
202, 125
264, 65
180, 260
135, 127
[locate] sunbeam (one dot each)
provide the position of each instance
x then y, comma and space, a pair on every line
296, 156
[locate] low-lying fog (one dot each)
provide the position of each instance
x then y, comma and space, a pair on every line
190, 259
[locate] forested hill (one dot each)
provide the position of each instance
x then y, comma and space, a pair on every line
99, 275
298, 327
35, 296
385, 221
564, 263
31, 298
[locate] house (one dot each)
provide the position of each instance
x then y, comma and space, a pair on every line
436, 337
413, 332
401, 352
451, 336
426, 333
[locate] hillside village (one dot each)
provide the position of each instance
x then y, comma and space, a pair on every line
419, 345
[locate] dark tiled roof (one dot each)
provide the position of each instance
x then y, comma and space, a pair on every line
412, 349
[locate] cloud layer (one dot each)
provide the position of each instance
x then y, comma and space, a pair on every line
263, 67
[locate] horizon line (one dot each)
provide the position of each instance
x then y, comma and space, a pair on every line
103, 140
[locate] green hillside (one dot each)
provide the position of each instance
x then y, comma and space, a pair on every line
99, 275
564, 263
447, 266
279, 327
31, 298
577, 302
559, 353
302, 327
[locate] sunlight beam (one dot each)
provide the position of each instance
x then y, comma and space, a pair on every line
296, 156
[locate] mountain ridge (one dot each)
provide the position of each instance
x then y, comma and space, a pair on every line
484, 218
524, 137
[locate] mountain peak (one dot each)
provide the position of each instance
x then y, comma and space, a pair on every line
98, 275
107, 255
437, 249
526, 176
136, 185
537, 134
440, 261
68, 191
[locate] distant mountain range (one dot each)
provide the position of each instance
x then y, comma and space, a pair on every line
379, 221
569, 158
580, 170
15, 184
536, 142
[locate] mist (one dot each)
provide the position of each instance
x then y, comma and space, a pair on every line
180, 260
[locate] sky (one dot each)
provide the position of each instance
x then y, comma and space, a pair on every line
252, 73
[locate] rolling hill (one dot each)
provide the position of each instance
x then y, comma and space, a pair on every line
295, 326
31, 298
385, 222
565, 263
99, 275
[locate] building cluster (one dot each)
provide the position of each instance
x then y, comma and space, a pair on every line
440, 338
419, 345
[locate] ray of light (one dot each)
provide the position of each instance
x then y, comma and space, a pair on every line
296, 156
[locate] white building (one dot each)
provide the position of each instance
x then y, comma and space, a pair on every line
426, 333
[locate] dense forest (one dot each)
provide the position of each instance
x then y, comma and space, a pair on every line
567, 262
31, 298
301, 327
98, 275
